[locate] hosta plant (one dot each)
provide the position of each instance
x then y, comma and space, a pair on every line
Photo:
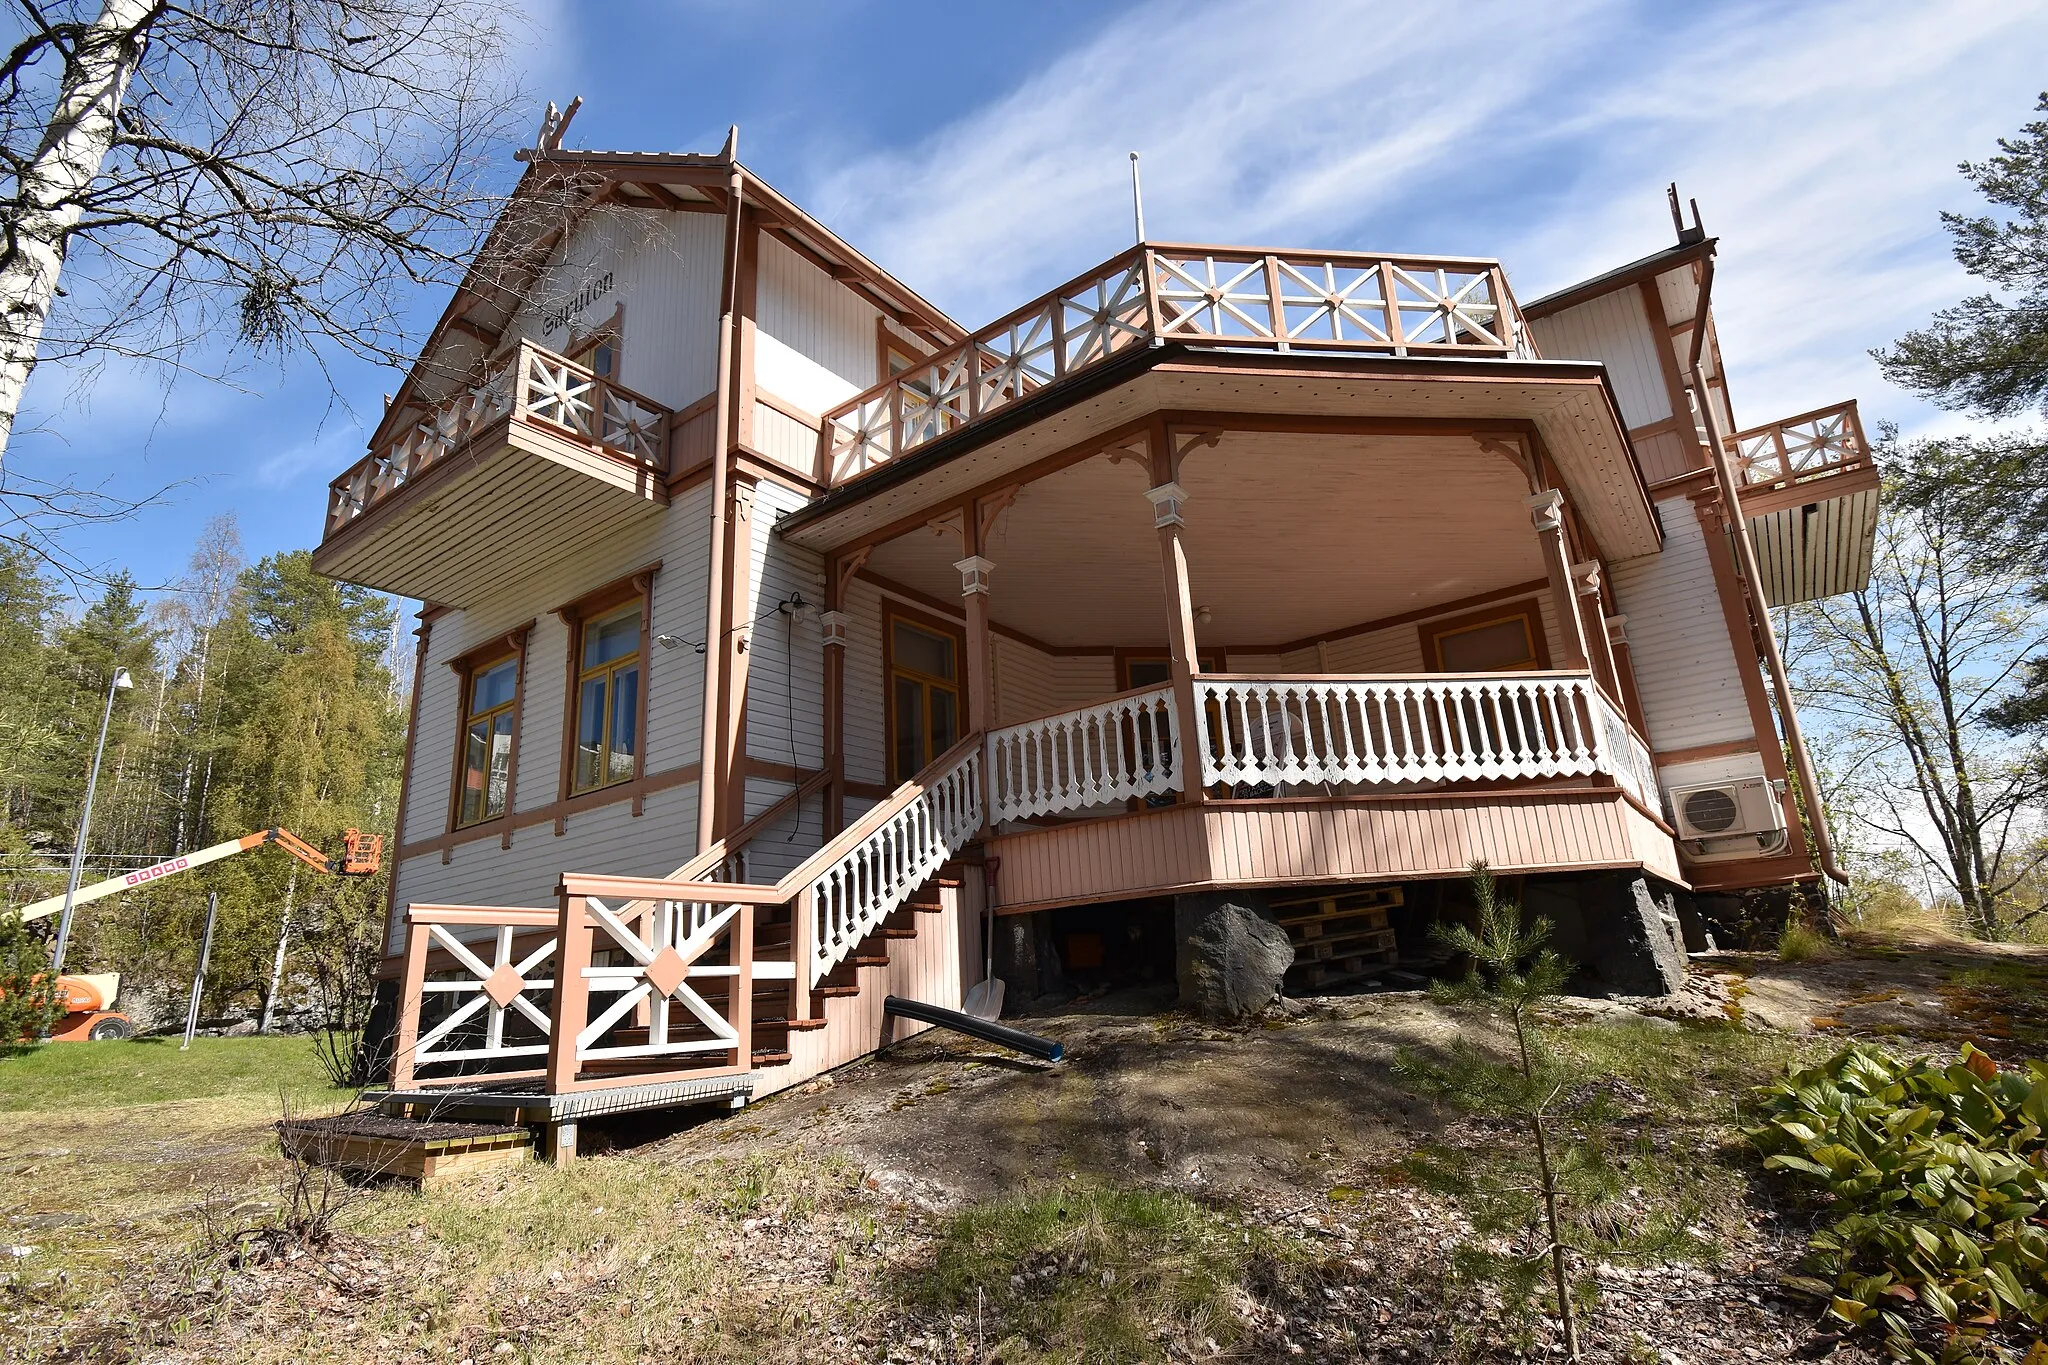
1938, 1179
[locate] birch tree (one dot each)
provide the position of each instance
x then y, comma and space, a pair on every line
1907, 677
215, 180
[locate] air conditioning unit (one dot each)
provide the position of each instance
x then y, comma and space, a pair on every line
1730, 819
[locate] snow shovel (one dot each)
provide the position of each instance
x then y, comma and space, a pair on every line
985, 998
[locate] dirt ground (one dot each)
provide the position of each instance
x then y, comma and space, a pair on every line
819, 1225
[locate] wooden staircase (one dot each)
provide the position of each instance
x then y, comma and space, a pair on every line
914, 952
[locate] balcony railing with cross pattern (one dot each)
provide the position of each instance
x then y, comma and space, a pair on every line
1157, 293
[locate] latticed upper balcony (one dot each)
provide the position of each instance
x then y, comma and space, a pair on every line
1157, 293
462, 496
1810, 494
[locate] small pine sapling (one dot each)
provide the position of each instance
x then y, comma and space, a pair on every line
1512, 974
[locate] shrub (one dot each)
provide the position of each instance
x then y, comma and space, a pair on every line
29, 999
1939, 1175
1801, 942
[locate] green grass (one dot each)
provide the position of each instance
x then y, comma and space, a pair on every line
1803, 943
1101, 1273
66, 1076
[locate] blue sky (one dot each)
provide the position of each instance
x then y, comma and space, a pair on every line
979, 152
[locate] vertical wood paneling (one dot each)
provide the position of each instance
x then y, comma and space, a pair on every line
786, 680
866, 756
814, 338
1028, 682
1686, 667
1614, 329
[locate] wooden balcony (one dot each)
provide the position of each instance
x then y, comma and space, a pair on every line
479, 490
1810, 491
1157, 293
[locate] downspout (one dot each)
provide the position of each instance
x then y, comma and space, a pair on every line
710, 737
1760, 615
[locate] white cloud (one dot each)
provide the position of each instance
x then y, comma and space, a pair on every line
1821, 141
326, 455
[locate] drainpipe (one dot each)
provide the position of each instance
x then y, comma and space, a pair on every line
711, 737
1760, 614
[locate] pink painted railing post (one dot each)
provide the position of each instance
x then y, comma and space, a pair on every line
571, 1008
411, 994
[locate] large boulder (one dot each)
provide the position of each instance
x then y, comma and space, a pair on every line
1231, 959
1638, 948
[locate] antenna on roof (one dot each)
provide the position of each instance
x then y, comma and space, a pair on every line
1687, 236
1137, 198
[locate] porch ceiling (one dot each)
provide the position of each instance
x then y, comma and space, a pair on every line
1566, 403
1289, 536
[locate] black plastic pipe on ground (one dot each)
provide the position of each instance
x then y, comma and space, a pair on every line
1030, 1044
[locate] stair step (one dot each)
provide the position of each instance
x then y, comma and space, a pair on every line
770, 1058
804, 1025
869, 959
925, 907
831, 992
891, 931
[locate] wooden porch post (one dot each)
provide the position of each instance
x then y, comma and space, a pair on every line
411, 995
1625, 667
571, 1007
1166, 500
1593, 618
974, 572
1546, 510
835, 624
738, 639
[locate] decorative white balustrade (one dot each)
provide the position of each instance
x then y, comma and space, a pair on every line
1126, 747
1624, 755
1317, 301
677, 947
1811, 443
500, 991
1310, 731
907, 840
534, 383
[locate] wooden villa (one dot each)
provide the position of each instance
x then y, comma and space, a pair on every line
779, 626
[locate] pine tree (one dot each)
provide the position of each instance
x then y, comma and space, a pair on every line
1511, 975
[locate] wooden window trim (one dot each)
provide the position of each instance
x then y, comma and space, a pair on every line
1529, 609
612, 329
886, 342
891, 613
512, 645
573, 614
1206, 661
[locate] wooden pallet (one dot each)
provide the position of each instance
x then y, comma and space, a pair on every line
1338, 936
376, 1144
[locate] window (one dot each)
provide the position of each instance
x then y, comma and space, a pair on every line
599, 356
924, 695
608, 699
488, 703
1506, 640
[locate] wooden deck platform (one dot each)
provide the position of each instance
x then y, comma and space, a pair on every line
375, 1144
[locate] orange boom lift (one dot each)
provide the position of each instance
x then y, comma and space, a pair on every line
89, 999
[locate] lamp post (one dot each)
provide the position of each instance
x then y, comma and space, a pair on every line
121, 681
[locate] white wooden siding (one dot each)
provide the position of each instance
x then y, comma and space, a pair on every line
608, 839
1398, 649
1029, 683
1615, 329
867, 756
786, 672
1687, 669
814, 339
785, 440
665, 270
779, 846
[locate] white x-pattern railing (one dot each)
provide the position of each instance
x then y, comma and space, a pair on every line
500, 991
1811, 443
532, 383
1116, 750
676, 944
1154, 293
